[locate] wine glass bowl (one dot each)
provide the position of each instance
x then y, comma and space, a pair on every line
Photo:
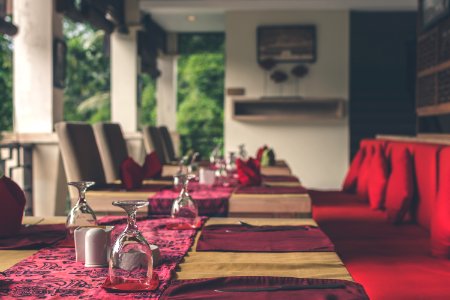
184, 208
131, 262
81, 214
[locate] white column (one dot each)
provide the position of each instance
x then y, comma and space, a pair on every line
124, 71
166, 92
37, 104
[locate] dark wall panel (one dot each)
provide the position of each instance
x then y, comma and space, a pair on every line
382, 74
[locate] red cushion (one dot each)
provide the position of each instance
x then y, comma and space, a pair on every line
260, 152
152, 166
349, 184
249, 172
131, 174
377, 179
426, 173
400, 187
362, 183
440, 222
12, 203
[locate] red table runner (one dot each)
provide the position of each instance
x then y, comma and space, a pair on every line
52, 273
34, 237
212, 202
272, 190
322, 289
239, 238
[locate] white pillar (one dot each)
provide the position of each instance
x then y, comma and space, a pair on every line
37, 104
166, 92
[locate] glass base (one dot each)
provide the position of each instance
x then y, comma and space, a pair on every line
132, 285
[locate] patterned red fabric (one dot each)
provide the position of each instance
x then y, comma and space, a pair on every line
53, 273
131, 174
440, 222
152, 166
205, 289
351, 178
280, 178
249, 172
212, 202
400, 187
260, 152
378, 179
12, 203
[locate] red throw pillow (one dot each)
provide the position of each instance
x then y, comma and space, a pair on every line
249, 173
351, 178
260, 152
400, 187
152, 166
362, 183
440, 221
131, 174
12, 203
378, 179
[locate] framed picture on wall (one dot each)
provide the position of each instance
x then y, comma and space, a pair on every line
59, 62
432, 11
287, 43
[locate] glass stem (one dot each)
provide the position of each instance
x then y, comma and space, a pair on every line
131, 226
82, 196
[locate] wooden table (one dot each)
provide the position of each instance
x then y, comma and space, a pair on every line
280, 168
216, 264
326, 265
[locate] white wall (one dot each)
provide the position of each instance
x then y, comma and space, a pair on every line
317, 153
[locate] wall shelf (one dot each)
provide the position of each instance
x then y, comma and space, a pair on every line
288, 109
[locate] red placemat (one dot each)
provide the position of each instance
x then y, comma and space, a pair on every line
238, 238
34, 237
210, 202
320, 289
53, 273
273, 190
280, 178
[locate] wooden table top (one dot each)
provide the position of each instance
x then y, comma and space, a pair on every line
218, 264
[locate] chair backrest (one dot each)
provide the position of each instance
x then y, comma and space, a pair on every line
112, 147
168, 143
79, 152
153, 142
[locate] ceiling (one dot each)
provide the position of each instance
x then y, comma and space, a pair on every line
210, 14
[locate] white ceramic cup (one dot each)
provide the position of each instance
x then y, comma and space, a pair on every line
97, 246
206, 176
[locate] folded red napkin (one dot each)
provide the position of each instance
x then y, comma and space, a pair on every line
152, 166
260, 152
249, 172
241, 238
12, 203
34, 237
271, 190
131, 174
280, 178
219, 288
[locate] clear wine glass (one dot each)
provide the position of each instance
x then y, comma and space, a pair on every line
81, 214
131, 262
184, 208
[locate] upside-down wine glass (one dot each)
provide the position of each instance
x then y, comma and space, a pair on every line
184, 208
81, 214
131, 262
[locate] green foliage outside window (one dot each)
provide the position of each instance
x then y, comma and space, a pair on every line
200, 91
6, 105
